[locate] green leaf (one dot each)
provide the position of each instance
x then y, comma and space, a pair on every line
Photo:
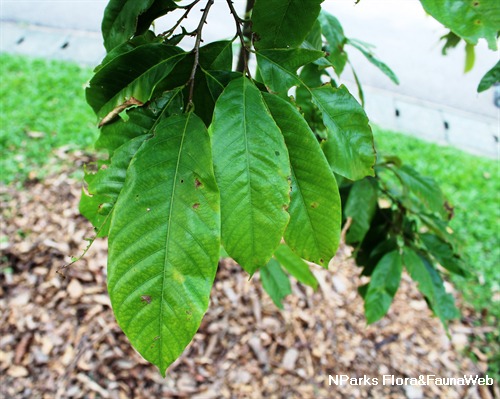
361, 206
217, 55
315, 216
295, 266
283, 23
444, 254
105, 186
383, 285
371, 57
156, 10
491, 78
349, 148
334, 34
275, 282
139, 121
310, 76
423, 192
431, 286
450, 41
278, 67
130, 79
164, 240
252, 170
120, 20
470, 57
470, 19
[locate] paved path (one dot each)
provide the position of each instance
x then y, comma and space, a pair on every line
435, 99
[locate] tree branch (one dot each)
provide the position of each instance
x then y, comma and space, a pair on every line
188, 9
196, 50
247, 33
244, 54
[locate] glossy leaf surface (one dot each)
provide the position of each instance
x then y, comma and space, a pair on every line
314, 228
252, 171
164, 240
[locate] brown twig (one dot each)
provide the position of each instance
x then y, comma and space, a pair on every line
239, 22
196, 50
188, 9
247, 33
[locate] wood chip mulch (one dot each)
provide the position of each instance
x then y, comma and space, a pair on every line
59, 339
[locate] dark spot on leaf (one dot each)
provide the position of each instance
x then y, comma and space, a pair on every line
322, 260
277, 153
196, 205
478, 22
197, 183
314, 205
189, 312
146, 298
476, 3
182, 181
285, 207
156, 338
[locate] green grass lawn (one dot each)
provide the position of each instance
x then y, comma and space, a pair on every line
42, 107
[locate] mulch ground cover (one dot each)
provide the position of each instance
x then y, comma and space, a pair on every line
59, 339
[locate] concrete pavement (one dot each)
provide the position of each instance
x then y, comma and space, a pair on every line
434, 101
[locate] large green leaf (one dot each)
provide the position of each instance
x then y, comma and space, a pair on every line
156, 10
278, 67
334, 34
283, 23
470, 19
252, 171
361, 206
120, 20
383, 285
431, 286
295, 266
349, 148
130, 79
315, 216
490, 78
164, 240
375, 61
122, 139
275, 282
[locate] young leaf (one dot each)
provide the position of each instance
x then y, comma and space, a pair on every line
283, 23
349, 148
490, 78
471, 20
315, 216
295, 266
275, 282
120, 20
252, 170
278, 67
383, 285
431, 286
470, 57
334, 34
130, 79
164, 240
371, 57
360, 206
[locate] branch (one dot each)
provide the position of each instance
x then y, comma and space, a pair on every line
196, 50
188, 9
247, 33
239, 32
